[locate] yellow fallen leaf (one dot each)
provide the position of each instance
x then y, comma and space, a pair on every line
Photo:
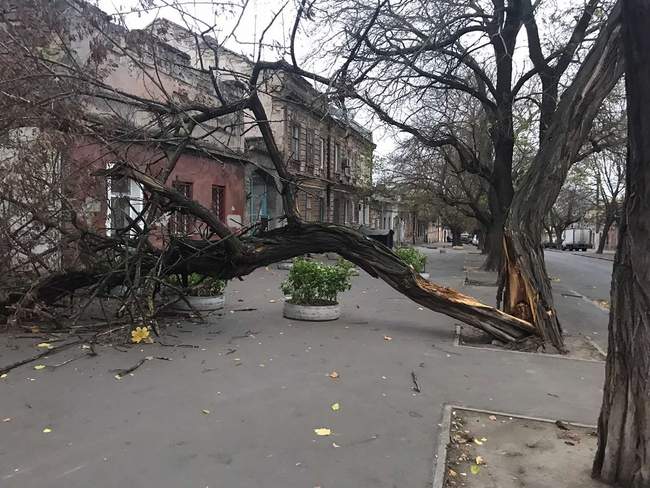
3, 376
45, 345
334, 444
480, 460
205, 411
477, 442
334, 375
118, 377
474, 469
388, 338
140, 334
8, 419
322, 431
38, 367
336, 407
47, 430
483, 439
452, 473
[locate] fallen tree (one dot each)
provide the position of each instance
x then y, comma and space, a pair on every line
128, 257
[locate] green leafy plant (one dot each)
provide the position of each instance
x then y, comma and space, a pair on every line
412, 257
315, 283
198, 285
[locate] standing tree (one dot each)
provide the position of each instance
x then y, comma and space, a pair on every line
623, 455
570, 207
608, 170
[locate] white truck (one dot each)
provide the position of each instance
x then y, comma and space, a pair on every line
577, 239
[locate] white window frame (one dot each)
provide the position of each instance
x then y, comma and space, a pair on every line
136, 201
322, 152
337, 156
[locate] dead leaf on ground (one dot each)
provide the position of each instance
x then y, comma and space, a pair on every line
322, 431
475, 468
45, 345
205, 411
492, 417
452, 473
336, 407
47, 430
334, 375
388, 338
38, 367
479, 460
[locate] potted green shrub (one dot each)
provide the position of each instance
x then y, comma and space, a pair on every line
414, 258
312, 289
202, 293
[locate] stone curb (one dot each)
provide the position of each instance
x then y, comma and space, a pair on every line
445, 429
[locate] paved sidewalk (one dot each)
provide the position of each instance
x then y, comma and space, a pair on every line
263, 383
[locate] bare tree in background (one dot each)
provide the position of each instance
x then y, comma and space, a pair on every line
570, 208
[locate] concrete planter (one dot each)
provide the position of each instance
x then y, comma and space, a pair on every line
286, 265
200, 304
425, 275
314, 313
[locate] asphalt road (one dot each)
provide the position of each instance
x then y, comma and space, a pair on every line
590, 277
238, 406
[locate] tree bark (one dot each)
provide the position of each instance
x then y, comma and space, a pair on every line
494, 244
527, 289
623, 455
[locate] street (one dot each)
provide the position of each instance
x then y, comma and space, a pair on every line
240, 408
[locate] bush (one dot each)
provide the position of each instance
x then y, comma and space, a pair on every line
411, 256
198, 285
314, 283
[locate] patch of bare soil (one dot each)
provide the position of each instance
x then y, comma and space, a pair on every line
499, 451
579, 347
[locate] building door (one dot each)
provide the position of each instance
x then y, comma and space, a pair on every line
258, 203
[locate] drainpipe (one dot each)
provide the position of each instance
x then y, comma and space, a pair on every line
327, 166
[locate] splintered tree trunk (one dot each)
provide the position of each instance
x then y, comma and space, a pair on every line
623, 455
526, 286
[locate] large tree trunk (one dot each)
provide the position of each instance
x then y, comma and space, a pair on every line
527, 290
494, 244
623, 455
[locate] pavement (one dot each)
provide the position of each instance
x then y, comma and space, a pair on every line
240, 408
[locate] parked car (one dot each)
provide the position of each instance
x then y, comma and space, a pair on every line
577, 239
465, 238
